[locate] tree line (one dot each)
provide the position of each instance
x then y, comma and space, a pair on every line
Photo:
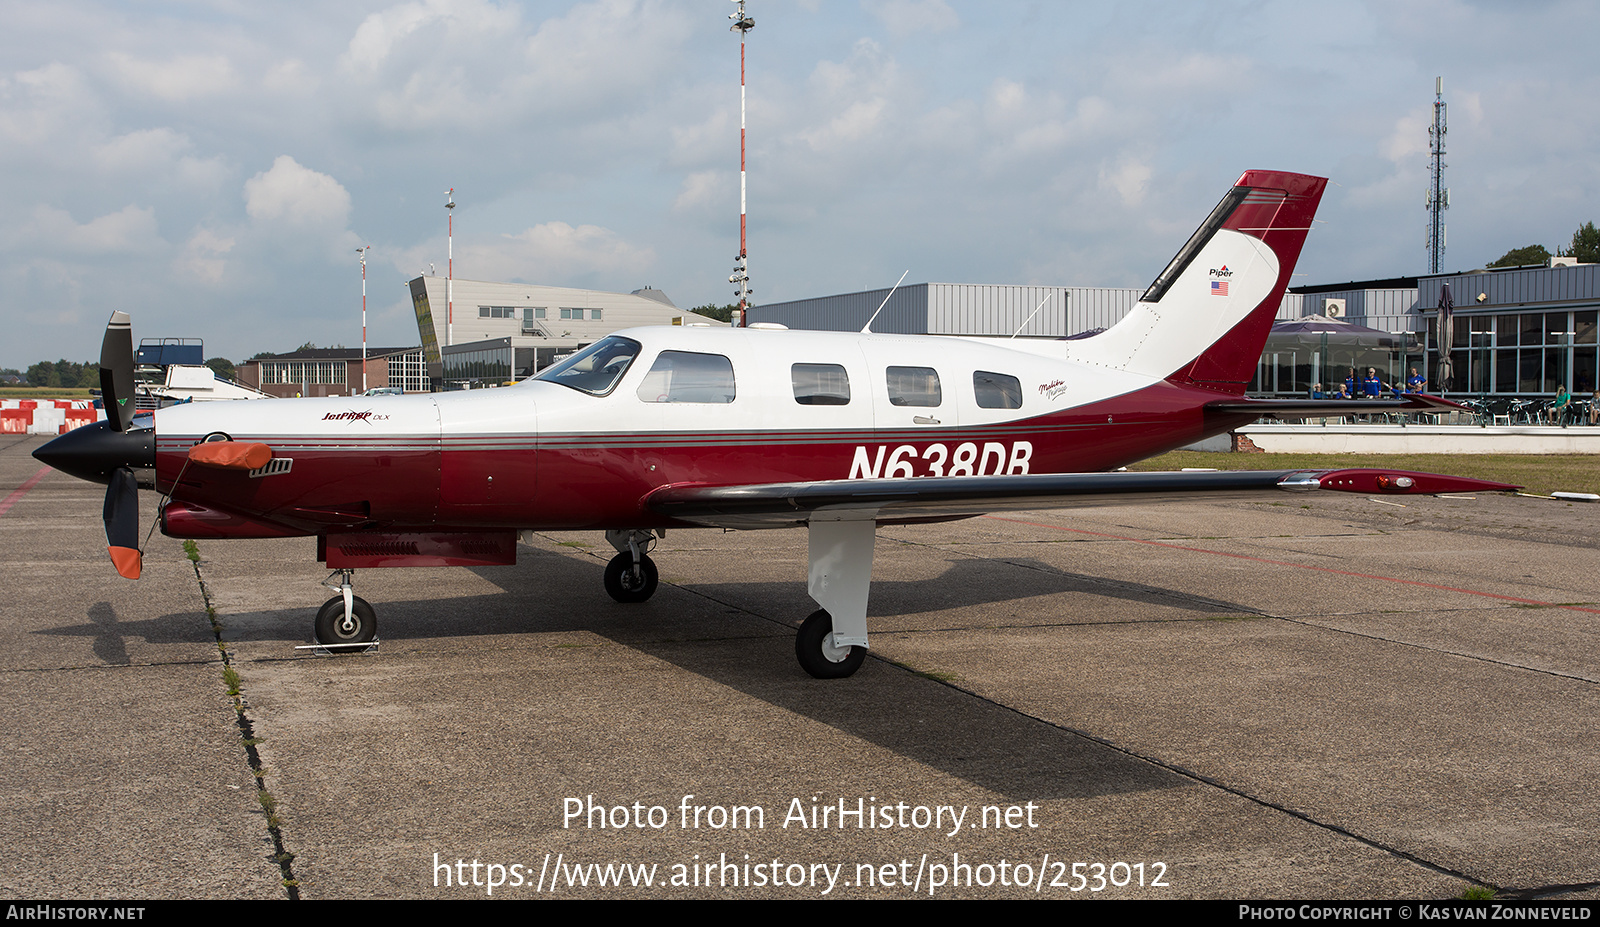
1585, 248
65, 374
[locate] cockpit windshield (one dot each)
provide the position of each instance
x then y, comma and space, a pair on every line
596, 369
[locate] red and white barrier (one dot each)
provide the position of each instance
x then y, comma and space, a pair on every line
46, 416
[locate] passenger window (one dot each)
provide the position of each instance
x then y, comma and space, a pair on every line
914, 386
997, 390
684, 376
820, 384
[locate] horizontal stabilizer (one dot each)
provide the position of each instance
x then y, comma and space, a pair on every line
1299, 408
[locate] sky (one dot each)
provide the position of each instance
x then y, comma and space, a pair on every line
213, 167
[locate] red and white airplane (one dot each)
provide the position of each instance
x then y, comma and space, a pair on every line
658, 428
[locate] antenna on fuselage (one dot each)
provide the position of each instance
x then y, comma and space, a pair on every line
885, 301
1032, 314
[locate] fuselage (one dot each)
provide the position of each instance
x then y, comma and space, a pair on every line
583, 448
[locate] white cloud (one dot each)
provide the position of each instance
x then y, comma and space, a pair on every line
1409, 139
294, 194
202, 256
291, 76
142, 150
704, 189
44, 105
179, 79
548, 253
130, 230
903, 17
377, 35
1128, 179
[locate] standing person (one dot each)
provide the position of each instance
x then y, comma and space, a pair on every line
1416, 383
1350, 384
1372, 387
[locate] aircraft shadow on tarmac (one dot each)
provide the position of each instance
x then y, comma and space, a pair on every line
719, 632
110, 631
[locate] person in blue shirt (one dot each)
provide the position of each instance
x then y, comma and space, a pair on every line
1416, 383
1372, 387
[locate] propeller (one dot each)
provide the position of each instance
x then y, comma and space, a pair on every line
122, 492
107, 452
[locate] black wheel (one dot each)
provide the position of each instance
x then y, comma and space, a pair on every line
332, 628
626, 585
813, 647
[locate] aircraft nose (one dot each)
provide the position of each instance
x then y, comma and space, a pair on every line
94, 452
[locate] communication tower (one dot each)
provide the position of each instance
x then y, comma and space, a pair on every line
1438, 193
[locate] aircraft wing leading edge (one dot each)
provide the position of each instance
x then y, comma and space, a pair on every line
775, 505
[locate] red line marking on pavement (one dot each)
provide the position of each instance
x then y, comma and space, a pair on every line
1301, 566
22, 490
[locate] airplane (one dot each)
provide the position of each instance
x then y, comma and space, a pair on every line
651, 429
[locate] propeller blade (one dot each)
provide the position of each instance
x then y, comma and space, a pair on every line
122, 521
116, 371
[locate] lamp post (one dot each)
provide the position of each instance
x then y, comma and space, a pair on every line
450, 269
742, 24
362, 252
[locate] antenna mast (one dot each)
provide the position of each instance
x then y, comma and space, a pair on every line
362, 251
1438, 193
742, 24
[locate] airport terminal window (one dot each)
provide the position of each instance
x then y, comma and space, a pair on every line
820, 384
914, 386
685, 376
997, 390
597, 368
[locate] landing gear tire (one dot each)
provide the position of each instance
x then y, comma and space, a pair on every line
814, 648
625, 585
332, 628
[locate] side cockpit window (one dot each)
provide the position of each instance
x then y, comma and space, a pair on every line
596, 369
996, 390
685, 376
914, 386
820, 384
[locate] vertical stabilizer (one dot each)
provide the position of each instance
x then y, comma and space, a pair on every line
1205, 319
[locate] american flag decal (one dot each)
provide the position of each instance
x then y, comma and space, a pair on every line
1219, 288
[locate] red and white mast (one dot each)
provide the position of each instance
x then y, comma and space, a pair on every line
363, 253
742, 24
450, 269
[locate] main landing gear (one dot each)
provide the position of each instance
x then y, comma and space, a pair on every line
818, 653
345, 622
631, 575
832, 643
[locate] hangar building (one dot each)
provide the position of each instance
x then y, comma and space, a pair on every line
1521, 331
508, 331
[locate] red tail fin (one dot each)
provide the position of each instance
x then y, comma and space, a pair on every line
1276, 208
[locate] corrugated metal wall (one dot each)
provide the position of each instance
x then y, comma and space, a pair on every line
977, 309
905, 314
973, 309
1513, 288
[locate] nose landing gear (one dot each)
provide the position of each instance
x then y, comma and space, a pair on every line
345, 622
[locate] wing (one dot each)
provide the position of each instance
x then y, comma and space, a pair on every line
775, 505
